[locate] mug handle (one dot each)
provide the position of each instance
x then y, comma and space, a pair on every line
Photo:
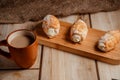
3, 53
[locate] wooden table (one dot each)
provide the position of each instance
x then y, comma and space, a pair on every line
52, 64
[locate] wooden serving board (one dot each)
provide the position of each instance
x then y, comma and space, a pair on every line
87, 48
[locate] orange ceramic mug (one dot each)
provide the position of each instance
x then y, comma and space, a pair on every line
23, 46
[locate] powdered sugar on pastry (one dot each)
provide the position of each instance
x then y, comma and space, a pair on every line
109, 40
78, 31
51, 26
76, 38
52, 32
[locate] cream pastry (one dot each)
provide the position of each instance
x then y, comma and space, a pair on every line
78, 31
108, 41
51, 26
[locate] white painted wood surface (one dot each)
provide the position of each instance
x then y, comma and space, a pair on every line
107, 21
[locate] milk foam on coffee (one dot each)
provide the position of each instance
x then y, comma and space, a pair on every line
21, 39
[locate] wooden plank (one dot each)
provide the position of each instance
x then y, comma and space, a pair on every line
107, 21
5, 29
19, 75
72, 18
59, 65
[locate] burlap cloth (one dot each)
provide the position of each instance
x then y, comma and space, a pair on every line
17, 11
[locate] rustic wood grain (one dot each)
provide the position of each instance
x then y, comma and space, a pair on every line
71, 19
5, 29
19, 75
107, 21
59, 65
